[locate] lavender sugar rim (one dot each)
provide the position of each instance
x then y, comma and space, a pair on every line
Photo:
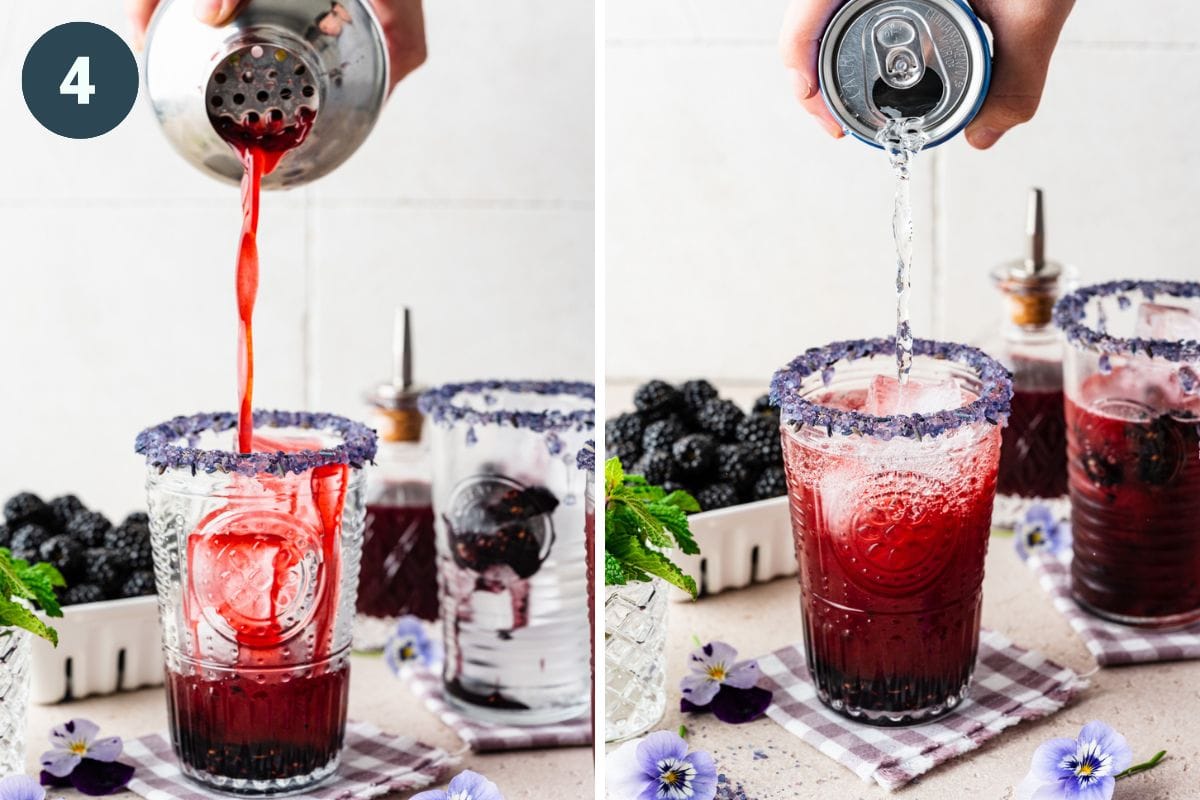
992, 406
158, 444
439, 405
586, 458
1071, 311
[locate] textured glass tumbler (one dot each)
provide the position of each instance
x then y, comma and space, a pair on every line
509, 507
257, 566
15, 659
891, 505
1133, 449
635, 662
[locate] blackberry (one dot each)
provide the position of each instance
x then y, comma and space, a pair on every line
720, 418
82, 593
763, 408
737, 466
514, 505
772, 483
624, 428
664, 433
27, 540
696, 394
5, 536
88, 528
133, 542
657, 467
717, 495
1159, 449
1101, 469
512, 544
64, 553
63, 509
672, 486
695, 455
26, 508
137, 518
657, 399
105, 568
628, 452
761, 436
139, 583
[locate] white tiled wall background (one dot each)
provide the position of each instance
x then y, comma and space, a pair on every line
740, 234
472, 202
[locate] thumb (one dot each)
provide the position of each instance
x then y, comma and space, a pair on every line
1024, 45
217, 12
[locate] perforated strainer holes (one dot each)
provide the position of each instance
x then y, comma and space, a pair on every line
268, 82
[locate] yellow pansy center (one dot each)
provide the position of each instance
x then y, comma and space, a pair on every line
78, 748
670, 777
717, 672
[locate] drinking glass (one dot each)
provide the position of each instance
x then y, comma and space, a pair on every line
891, 492
1133, 448
256, 557
508, 500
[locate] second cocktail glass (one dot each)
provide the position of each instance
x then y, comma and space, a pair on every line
509, 508
891, 491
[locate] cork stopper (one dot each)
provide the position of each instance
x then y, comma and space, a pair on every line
1030, 285
396, 400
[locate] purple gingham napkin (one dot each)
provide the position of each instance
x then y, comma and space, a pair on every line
373, 763
1110, 643
1010, 685
484, 737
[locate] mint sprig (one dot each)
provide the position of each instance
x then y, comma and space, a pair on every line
640, 521
22, 585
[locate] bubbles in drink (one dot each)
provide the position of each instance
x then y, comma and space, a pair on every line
887, 396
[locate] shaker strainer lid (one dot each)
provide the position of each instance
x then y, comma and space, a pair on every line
263, 90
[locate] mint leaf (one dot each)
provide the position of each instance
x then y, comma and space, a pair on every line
675, 520
657, 564
23, 585
14, 615
614, 573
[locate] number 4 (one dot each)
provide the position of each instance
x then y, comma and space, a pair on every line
78, 81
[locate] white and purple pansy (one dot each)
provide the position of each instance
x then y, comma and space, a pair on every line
21, 787
77, 758
719, 683
659, 767
466, 785
410, 645
1041, 531
1084, 768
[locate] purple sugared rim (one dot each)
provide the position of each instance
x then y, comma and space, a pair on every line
1071, 311
159, 444
992, 406
438, 404
586, 458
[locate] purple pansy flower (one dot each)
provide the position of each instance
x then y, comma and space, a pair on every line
1041, 531
720, 683
410, 644
1084, 768
79, 759
659, 767
466, 785
21, 787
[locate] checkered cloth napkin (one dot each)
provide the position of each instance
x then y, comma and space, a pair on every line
484, 737
1110, 643
373, 763
1010, 685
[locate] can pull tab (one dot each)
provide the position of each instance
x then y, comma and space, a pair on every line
898, 52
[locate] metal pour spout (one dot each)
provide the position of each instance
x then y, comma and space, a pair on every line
1035, 234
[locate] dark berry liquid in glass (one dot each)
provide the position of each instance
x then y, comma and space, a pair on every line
891, 571
1033, 453
399, 564
1135, 503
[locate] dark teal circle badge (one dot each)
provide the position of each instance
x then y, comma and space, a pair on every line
80, 80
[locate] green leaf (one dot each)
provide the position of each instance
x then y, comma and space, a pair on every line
683, 501
614, 573
614, 476
675, 521
15, 615
655, 563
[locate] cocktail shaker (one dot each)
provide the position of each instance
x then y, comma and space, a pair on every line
278, 61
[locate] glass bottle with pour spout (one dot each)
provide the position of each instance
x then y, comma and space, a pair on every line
278, 62
1033, 456
399, 566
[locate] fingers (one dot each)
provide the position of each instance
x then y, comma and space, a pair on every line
1026, 33
404, 27
799, 46
217, 12
139, 13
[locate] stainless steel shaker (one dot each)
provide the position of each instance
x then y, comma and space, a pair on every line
276, 60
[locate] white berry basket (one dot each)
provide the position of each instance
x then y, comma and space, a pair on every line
104, 647
739, 546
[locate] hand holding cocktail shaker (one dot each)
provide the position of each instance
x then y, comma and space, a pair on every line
278, 61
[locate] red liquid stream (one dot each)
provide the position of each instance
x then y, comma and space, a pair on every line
891, 574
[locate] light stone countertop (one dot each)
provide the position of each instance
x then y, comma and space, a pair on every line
376, 696
1156, 706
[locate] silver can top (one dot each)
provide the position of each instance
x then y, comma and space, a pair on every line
888, 59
